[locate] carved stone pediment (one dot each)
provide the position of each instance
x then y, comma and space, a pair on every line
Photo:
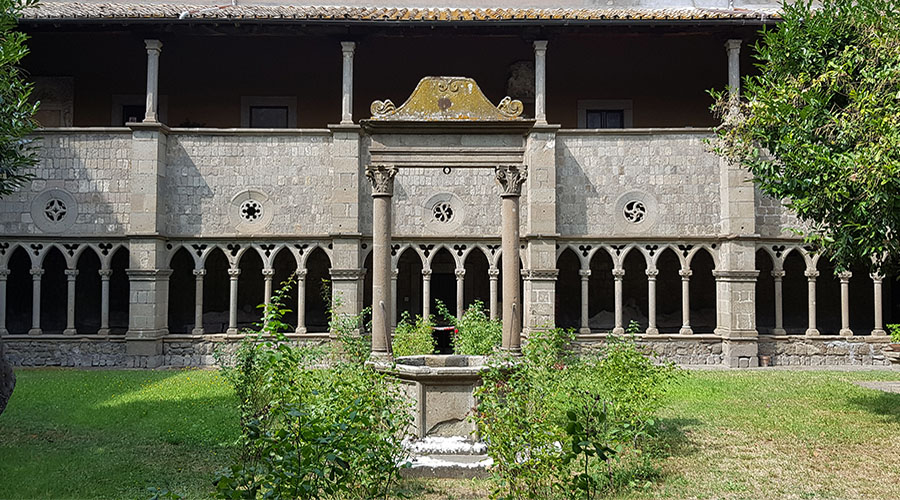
447, 98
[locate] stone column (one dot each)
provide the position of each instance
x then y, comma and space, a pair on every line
845, 303
618, 276
104, 301
460, 292
778, 276
347, 49
233, 276
811, 275
301, 301
4, 274
585, 300
493, 276
685, 302
877, 280
71, 276
510, 178
734, 74
198, 301
154, 47
394, 274
36, 274
382, 178
651, 301
426, 293
540, 81
268, 275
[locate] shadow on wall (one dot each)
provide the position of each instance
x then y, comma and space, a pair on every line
186, 189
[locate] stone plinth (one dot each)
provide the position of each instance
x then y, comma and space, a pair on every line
440, 388
892, 354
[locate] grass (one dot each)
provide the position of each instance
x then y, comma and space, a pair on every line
726, 435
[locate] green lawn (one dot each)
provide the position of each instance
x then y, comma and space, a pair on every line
729, 434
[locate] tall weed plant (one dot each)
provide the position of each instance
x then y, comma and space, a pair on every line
413, 337
475, 333
315, 424
559, 425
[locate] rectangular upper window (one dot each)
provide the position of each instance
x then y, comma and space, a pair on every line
605, 113
268, 116
268, 111
605, 118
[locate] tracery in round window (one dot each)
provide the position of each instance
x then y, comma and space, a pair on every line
251, 210
55, 210
635, 211
443, 212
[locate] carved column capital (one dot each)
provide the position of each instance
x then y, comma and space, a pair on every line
493, 273
301, 274
618, 273
511, 178
426, 274
778, 274
153, 46
106, 273
4, 273
347, 48
268, 273
584, 273
234, 273
36, 272
845, 276
382, 179
685, 274
71, 274
395, 273
460, 273
877, 278
200, 273
651, 273
811, 274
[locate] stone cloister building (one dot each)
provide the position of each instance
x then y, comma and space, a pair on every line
193, 157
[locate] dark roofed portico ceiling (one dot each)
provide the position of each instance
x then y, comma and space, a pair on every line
499, 13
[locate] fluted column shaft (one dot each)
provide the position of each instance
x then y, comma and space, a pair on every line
685, 302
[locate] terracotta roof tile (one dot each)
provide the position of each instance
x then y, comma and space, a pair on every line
77, 10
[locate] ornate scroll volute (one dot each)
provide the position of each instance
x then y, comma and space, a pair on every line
511, 178
382, 178
381, 109
510, 107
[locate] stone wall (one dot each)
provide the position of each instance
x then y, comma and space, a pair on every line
698, 351
826, 351
206, 172
670, 172
89, 167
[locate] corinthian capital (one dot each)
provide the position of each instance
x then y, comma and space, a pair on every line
382, 177
510, 178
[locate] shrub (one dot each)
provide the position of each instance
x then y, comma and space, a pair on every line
413, 337
560, 424
894, 330
313, 427
476, 334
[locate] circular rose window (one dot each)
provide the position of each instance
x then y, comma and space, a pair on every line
635, 211
443, 212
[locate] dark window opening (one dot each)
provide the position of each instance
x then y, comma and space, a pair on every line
602, 118
268, 116
132, 113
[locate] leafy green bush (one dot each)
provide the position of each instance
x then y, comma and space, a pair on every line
413, 337
475, 333
894, 330
314, 426
561, 424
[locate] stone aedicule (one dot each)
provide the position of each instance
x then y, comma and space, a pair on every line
447, 98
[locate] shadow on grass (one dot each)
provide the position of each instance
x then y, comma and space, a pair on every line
674, 438
880, 403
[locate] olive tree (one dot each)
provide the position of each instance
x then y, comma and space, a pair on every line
819, 124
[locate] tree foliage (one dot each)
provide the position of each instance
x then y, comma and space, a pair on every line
820, 124
17, 149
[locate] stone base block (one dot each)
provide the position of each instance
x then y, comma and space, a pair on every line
149, 353
743, 353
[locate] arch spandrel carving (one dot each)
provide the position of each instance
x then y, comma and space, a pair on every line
447, 98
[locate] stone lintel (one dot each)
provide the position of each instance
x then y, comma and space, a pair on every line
736, 276
347, 274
